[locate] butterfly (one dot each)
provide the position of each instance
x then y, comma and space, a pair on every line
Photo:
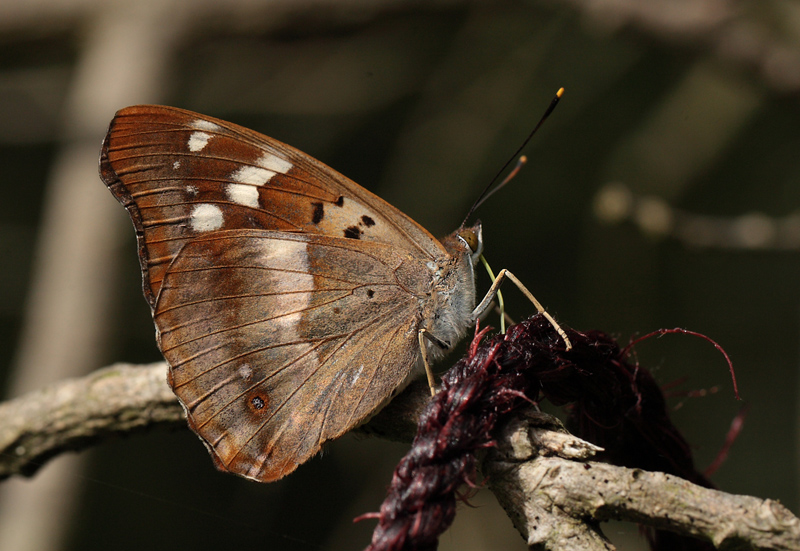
289, 302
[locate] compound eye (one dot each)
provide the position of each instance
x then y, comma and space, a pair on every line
470, 238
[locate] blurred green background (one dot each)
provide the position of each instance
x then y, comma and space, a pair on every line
680, 120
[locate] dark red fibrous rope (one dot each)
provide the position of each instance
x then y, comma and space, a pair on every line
612, 403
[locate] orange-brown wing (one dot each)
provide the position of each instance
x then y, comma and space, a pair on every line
181, 174
278, 342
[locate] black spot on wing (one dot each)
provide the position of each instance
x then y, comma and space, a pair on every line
319, 213
353, 232
370, 293
257, 402
340, 201
367, 221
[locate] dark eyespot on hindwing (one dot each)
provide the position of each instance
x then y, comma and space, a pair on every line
257, 402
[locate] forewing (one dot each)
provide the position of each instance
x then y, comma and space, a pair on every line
278, 342
181, 174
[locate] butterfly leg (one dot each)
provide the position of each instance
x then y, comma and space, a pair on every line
487, 300
424, 334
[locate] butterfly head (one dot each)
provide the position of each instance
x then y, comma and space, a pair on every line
467, 240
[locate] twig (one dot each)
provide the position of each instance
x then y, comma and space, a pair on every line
525, 440
77, 413
120, 399
546, 495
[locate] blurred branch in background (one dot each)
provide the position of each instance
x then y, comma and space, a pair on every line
68, 303
538, 471
656, 218
728, 30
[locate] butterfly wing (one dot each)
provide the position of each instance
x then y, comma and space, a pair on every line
287, 299
278, 342
181, 175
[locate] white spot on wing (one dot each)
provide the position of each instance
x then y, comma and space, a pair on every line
245, 372
273, 163
243, 194
198, 140
176, 165
192, 190
201, 124
206, 217
354, 378
268, 165
253, 175
288, 255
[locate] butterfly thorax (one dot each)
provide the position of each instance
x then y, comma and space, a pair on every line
453, 290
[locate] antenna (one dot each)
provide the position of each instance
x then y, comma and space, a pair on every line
486, 192
520, 163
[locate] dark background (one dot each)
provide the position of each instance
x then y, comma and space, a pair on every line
694, 103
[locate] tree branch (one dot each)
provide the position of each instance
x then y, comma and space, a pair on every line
77, 413
538, 471
556, 502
